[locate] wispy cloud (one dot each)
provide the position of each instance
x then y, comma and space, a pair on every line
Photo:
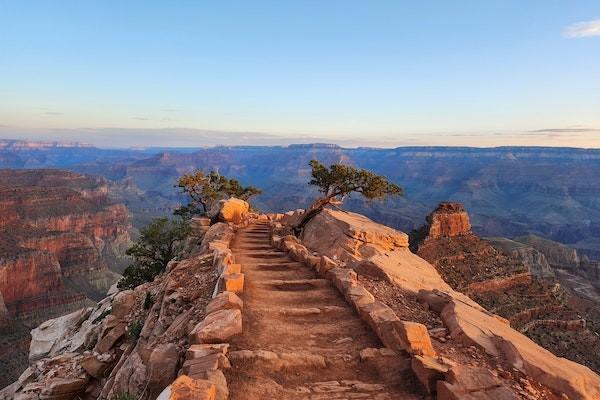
142, 119
53, 113
583, 29
565, 130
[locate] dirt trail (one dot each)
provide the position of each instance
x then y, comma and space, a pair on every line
301, 339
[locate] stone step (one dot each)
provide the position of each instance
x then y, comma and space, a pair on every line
306, 311
295, 285
256, 261
253, 248
240, 243
281, 266
254, 234
278, 272
318, 297
262, 255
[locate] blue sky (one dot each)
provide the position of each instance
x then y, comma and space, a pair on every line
370, 72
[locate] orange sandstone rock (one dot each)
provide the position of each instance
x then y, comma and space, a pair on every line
217, 327
186, 388
447, 220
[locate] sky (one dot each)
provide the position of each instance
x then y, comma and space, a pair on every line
378, 73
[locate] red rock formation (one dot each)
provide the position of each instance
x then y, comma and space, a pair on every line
503, 285
500, 284
29, 274
54, 229
448, 220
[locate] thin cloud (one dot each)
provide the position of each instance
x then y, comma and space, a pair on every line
565, 130
583, 29
142, 119
53, 113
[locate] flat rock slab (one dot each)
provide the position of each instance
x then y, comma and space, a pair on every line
217, 327
223, 301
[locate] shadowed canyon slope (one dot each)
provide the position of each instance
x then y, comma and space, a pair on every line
60, 236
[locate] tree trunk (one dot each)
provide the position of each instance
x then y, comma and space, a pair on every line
309, 214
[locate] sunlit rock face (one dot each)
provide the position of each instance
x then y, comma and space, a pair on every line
448, 220
378, 252
56, 228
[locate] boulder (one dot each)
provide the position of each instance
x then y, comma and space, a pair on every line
123, 303
46, 336
63, 388
162, 365
217, 327
94, 365
201, 350
186, 388
414, 337
354, 239
230, 210
224, 300
110, 338
428, 371
472, 383
234, 283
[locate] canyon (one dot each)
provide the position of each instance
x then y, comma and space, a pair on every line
62, 242
346, 310
509, 191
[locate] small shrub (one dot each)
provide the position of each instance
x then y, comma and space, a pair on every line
148, 301
124, 396
159, 243
134, 330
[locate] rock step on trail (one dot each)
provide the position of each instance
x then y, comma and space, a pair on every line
301, 340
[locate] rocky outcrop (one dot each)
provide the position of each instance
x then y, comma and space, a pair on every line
492, 273
467, 322
534, 260
134, 341
557, 254
448, 220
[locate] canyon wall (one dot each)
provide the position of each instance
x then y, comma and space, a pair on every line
55, 227
517, 282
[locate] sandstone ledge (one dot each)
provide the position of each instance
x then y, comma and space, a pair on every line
329, 234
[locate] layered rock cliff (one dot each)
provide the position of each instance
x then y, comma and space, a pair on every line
535, 260
518, 284
55, 227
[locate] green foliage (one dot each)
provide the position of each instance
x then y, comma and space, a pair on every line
204, 190
339, 181
124, 396
159, 243
134, 329
148, 301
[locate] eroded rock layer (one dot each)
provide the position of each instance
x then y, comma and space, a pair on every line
530, 298
55, 227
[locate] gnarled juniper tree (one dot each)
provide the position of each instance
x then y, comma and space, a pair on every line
338, 182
